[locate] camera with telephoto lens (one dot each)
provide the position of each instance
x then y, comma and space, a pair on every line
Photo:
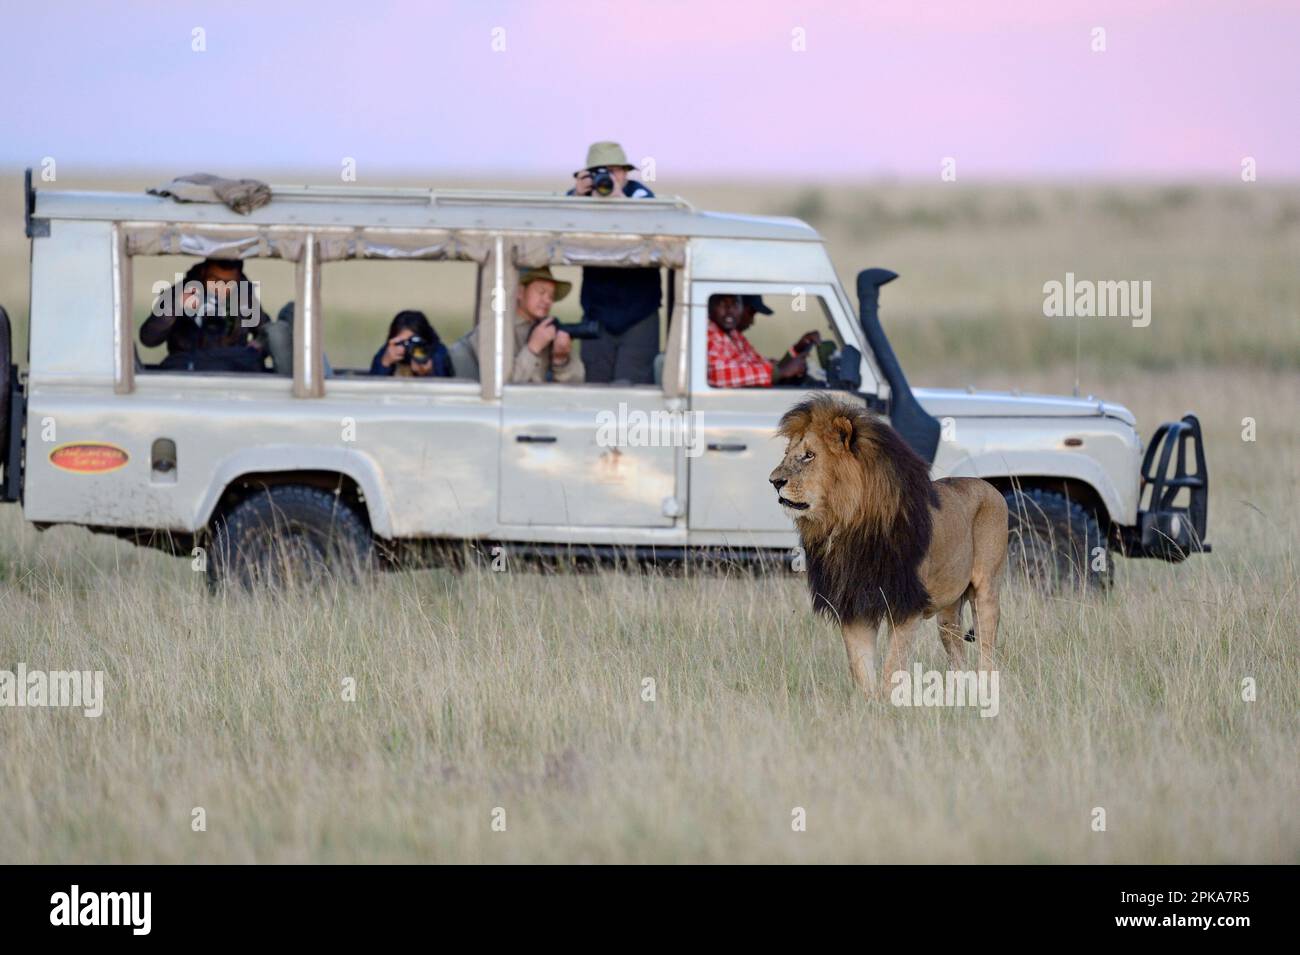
415, 349
602, 181
584, 330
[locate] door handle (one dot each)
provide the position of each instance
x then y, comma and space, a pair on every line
536, 438
728, 447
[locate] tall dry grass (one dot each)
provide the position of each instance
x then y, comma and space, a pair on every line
523, 690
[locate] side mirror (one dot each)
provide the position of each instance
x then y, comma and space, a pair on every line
845, 372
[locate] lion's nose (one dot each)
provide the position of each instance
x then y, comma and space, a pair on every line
778, 483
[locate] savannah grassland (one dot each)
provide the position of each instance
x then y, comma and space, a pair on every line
523, 690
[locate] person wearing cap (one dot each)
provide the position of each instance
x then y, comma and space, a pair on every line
751, 305
734, 362
624, 302
542, 352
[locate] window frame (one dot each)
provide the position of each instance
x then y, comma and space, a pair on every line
451, 385
125, 333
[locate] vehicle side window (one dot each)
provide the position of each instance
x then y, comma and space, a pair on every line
770, 327
368, 303
619, 333
212, 316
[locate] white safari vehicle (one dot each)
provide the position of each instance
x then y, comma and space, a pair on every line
327, 463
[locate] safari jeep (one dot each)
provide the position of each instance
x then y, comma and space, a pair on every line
331, 463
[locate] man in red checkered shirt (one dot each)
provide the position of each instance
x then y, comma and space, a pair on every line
733, 362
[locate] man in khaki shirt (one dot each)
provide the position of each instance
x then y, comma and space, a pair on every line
542, 352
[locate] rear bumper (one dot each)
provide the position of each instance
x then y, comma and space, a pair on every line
1174, 495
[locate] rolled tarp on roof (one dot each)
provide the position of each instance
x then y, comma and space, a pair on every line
239, 195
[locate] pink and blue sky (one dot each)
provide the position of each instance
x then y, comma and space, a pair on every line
1184, 90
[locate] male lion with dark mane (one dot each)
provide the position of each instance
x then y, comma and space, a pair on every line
882, 540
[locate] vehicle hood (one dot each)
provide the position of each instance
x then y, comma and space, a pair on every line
957, 403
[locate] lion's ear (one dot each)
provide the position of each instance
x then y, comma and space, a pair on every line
845, 432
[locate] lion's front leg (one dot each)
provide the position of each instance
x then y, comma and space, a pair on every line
860, 644
901, 633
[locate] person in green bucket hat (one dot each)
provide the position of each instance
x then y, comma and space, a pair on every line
623, 301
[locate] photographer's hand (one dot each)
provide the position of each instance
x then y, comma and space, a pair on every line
543, 334
563, 347
394, 352
582, 184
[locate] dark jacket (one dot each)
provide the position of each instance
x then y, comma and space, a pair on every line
619, 298
168, 323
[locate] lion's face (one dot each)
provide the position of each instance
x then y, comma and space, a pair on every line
799, 478
821, 480
830, 476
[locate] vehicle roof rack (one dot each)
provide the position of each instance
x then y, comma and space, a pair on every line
425, 196
359, 193
508, 197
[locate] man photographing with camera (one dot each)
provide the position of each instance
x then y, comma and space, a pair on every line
543, 346
212, 320
624, 302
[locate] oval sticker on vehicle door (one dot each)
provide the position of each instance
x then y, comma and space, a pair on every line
88, 457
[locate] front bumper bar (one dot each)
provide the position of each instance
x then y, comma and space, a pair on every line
1166, 527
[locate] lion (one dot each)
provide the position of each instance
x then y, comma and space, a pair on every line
881, 540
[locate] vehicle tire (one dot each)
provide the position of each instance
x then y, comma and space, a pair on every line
1053, 542
289, 534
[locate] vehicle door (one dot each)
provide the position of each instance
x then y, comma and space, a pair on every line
729, 491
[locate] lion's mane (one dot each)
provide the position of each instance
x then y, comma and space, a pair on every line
864, 550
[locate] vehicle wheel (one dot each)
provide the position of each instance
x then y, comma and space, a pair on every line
289, 534
1054, 542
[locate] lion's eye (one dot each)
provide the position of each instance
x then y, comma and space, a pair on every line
808, 456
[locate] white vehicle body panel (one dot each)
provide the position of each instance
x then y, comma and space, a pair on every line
558, 469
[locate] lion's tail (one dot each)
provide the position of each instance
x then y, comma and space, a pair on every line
970, 635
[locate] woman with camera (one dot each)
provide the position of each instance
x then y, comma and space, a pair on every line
413, 349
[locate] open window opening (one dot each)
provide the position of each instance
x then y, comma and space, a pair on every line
210, 315
783, 339
398, 319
